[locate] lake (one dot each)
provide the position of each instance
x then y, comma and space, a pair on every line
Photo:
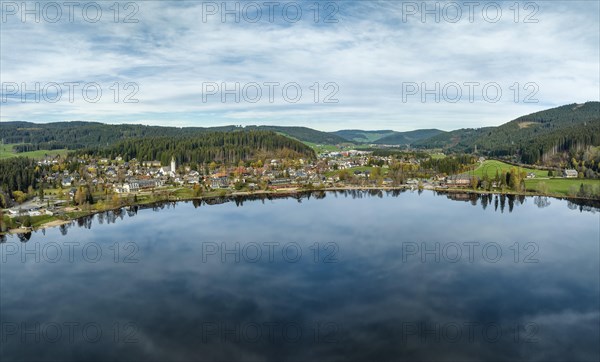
390, 276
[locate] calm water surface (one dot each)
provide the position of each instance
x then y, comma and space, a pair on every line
333, 277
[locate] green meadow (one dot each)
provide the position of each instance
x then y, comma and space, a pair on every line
562, 186
490, 167
6, 151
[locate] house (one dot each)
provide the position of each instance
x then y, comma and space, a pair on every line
122, 189
280, 182
151, 163
67, 181
531, 175
219, 182
570, 173
15, 212
136, 185
458, 180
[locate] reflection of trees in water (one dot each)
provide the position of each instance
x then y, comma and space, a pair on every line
486, 200
64, 228
584, 205
132, 211
511, 202
473, 198
85, 221
541, 201
24, 237
502, 200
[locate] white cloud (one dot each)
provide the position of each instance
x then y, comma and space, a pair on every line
369, 53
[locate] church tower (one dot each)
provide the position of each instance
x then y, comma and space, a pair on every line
173, 165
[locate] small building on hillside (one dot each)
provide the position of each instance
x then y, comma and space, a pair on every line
570, 173
151, 163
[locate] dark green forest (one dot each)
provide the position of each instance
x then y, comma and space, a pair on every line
532, 138
221, 147
17, 174
78, 135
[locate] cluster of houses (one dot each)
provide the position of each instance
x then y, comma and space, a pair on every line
134, 176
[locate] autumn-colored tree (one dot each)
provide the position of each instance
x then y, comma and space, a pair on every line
19, 196
197, 190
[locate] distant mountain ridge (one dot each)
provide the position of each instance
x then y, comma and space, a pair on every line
357, 135
387, 137
408, 138
534, 137
304, 134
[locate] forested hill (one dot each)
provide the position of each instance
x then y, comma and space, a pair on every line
387, 137
77, 135
407, 138
459, 140
226, 147
534, 137
544, 133
305, 134
361, 136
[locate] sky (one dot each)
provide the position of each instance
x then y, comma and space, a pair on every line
328, 65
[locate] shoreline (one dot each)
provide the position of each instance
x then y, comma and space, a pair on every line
283, 193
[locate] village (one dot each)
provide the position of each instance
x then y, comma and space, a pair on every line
110, 179
113, 182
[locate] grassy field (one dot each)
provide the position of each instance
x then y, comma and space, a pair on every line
489, 167
384, 171
322, 148
562, 186
6, 151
